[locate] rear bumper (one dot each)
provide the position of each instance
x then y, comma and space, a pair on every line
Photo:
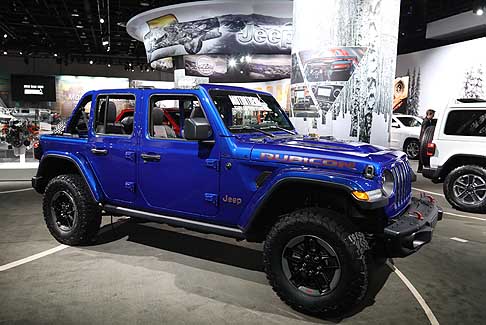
431, 173
413, 229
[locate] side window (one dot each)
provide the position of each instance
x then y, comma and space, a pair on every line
466, 123
79, 122
167, 114
114, 114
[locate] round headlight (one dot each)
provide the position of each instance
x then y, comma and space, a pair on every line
387, 183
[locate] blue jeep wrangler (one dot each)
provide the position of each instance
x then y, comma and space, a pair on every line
227, 161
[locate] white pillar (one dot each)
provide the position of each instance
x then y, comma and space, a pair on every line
343, 66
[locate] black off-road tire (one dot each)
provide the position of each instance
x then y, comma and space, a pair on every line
449, 191
88, 220
350, 246
412, 142
427, 137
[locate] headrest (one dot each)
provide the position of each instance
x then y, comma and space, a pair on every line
157, 116
111, 114
197, 112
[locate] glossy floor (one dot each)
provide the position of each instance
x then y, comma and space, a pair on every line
149, 273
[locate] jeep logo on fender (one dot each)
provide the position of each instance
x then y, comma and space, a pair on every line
308, 160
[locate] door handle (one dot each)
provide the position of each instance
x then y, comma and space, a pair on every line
99, 151
150, 157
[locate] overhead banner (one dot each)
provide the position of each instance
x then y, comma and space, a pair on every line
216, 27
226, 68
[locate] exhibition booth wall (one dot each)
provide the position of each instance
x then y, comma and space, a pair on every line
439, 76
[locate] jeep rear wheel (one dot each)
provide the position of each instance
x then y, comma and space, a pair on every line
465, 188
316, 262
70, 213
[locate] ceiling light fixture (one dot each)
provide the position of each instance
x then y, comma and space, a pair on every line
20, 52
55, 55
5, 35
144, 3
79, 26
479, 11
102, 20
108, 65
5, 52
90, 61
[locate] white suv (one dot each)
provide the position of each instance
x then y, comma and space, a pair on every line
405, 134
454, 152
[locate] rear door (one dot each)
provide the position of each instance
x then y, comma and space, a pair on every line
176, 175
112, 147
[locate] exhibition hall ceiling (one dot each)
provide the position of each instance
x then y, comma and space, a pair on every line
84, 30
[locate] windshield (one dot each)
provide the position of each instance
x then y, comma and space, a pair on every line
410, 121
249, 112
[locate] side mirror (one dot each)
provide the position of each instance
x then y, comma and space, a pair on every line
197, 128
395, 125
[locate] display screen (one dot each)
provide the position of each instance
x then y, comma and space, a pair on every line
33, 88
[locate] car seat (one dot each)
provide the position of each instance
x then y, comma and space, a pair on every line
110, 127
160, 129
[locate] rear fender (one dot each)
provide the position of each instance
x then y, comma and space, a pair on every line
81, 165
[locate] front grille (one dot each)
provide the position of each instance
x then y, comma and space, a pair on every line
402, 173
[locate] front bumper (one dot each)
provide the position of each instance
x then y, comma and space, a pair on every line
413, 229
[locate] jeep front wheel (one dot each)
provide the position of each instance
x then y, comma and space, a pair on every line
71, 214
316, 262
465, 188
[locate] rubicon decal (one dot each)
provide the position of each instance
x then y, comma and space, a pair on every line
307, 160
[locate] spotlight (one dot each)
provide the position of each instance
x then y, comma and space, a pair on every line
20, 52
5, 52
108, 65
479, 11
232, 63
102, 20
90, 61
55, 55
5, 35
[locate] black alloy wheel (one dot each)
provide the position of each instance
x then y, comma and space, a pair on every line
412, 149
64, 211
311, 265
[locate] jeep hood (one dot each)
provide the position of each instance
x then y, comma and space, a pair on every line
339, 155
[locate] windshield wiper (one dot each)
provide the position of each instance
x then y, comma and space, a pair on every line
252, 128
279, 128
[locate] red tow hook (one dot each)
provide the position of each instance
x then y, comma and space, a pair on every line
418, 215
430, 198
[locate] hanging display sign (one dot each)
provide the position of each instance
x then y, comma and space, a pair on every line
219, 27
223, 68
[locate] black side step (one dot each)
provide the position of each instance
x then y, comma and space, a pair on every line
177, 222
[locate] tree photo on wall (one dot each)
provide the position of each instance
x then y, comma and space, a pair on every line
473, 83
414, 93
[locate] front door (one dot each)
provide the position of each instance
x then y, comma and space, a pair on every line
176, 175
112, 147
